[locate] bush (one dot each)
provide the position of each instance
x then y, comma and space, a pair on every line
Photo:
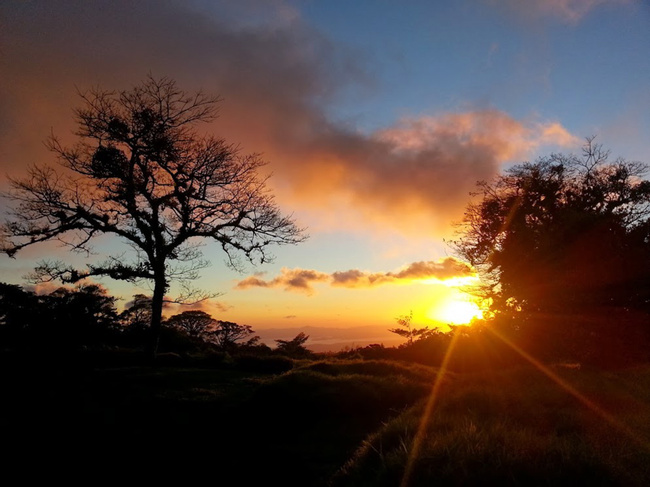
377, 368
260, 363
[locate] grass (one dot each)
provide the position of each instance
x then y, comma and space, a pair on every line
325, 422
517, 428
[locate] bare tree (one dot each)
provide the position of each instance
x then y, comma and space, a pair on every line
142, 172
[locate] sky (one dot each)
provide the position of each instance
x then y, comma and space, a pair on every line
377, 119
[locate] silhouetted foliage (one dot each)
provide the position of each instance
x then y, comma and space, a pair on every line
227, 334
65, 318
294, 347
563, 247
137, 313
18, 312
85, 305
195, 323
374, 351
141, 172
259, 359
407, 331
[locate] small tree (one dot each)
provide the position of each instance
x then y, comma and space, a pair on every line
137, 314
227, 333
195, 323
407, 331
143, 173
294, 347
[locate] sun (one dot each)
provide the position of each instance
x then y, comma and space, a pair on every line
457, 312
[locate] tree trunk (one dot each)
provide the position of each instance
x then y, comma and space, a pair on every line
160, 287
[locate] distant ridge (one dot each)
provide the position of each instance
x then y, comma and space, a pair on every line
324, 339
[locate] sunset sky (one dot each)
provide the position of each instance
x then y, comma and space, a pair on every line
377, 119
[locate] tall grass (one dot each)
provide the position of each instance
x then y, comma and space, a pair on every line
517, 428
308, 421
375, 368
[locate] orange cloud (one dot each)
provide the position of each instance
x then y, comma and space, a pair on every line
301, 280
416, 176
277, 78
495, 132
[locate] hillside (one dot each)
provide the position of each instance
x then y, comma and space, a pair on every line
341, 422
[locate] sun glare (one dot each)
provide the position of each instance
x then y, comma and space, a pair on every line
457, 312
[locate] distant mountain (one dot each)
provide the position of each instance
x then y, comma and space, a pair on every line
324, 339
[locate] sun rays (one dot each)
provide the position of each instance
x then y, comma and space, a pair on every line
457, 312
433, 399
428, 410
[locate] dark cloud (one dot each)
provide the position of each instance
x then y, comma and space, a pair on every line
208, 305
446, 268
299, 280
302, 280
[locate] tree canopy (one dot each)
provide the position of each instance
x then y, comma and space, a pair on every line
564, 240
195, 323
67, 318
142, 172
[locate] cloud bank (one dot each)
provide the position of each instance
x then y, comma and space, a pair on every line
302, 280
276, 76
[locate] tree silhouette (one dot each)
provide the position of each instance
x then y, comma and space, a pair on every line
227, 333
407, 331
67, 317
84, 315
19, 312
563, 241
294, 347
86, 304
142, 172
195, 323
137, 314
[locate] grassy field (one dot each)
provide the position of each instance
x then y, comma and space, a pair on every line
517, 428
328, 422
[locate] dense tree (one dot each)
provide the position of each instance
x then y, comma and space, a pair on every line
67, 317
137, 313
142, 172
83, 315
227, 333
564, 241
195, 323
18, 310
85, 305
